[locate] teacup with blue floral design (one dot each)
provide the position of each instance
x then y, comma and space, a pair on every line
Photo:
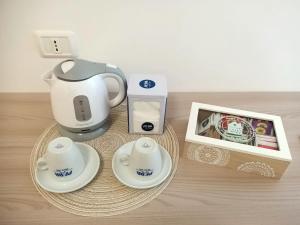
63, 159
145, 160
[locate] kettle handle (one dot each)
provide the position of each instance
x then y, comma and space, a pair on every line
114, 72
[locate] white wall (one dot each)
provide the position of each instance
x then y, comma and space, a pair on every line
200, 45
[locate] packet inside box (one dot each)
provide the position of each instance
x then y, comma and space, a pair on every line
239, 129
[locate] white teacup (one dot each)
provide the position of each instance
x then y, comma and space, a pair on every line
145, 160
63, 159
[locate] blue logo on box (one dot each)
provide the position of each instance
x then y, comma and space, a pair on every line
147, 126
147, 84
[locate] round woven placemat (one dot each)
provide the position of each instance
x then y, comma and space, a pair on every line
105, 195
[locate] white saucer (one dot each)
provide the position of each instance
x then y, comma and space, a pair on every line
123, 174
92, 162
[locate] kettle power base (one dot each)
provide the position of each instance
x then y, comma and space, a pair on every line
105, 195
84, 136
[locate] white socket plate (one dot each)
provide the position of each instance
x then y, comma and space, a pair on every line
57, 44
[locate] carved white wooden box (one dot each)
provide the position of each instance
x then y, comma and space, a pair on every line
241, 140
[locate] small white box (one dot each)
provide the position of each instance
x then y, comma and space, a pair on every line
147, 100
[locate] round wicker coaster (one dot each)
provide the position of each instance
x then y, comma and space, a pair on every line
105, 195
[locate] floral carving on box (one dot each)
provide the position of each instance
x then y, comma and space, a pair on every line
259, 168
208, 154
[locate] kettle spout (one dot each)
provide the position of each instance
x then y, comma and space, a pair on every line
48, 77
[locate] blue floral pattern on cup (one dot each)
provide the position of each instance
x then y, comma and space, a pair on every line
144, 172
63, 172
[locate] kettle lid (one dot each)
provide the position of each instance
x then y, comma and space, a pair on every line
78, 69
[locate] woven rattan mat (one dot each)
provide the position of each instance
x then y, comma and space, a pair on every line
105, 195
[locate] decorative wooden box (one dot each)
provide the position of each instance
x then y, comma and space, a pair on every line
242, 140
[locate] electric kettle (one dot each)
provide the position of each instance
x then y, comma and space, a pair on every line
79, 97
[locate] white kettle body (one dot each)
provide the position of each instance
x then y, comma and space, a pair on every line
79, 96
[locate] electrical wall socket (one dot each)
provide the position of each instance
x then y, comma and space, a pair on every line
56, 44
